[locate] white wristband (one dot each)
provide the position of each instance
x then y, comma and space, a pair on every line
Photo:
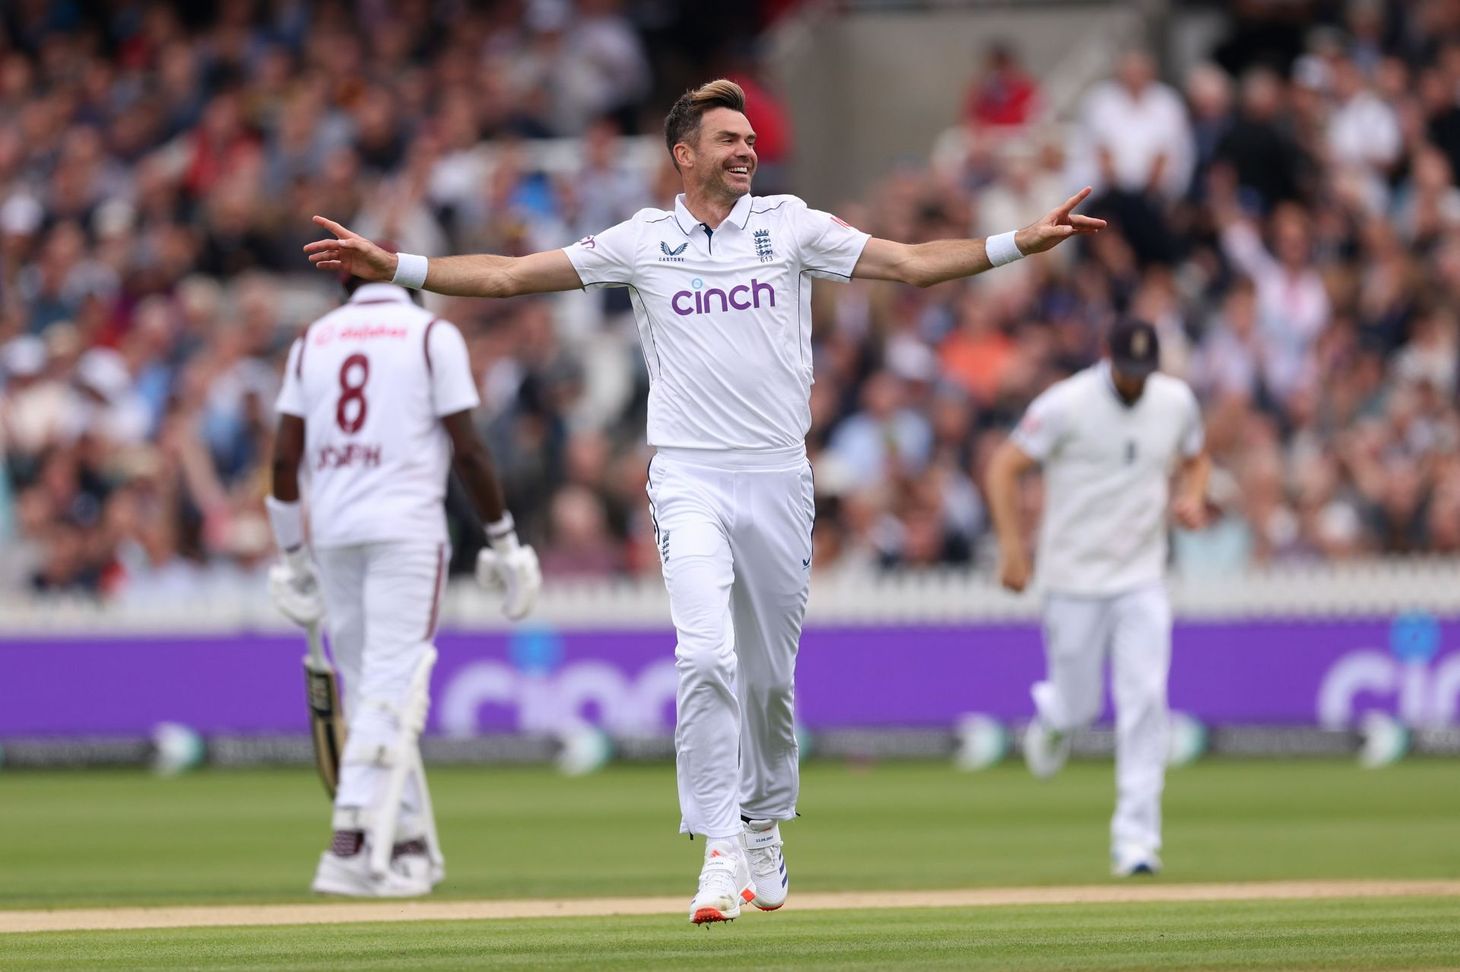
502, 535
410, 271
287, 519
1002, 249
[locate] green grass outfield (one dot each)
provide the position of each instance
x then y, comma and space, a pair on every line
1407, 933
107, 839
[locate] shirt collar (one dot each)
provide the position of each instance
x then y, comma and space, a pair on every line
380, 293
739, 214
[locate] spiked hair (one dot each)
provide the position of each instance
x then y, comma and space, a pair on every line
682, 124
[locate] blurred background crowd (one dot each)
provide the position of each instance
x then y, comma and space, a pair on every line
1285, 212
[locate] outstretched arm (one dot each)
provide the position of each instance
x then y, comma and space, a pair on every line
925, 264
478, 275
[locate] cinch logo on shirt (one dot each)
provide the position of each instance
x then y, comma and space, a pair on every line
715, 300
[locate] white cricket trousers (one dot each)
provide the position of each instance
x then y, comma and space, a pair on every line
1134, 629
381, 603
734, 535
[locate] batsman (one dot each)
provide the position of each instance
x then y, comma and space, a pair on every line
374, 412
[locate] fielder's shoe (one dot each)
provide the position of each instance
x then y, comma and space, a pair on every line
1045, 749
767, 864
409, 876
724, 883
1131, 860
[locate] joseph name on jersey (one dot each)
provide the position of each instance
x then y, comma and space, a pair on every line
724, 315
1107, 472
372, 380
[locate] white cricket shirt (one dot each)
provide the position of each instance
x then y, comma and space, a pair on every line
372, 380
1107, 474
724, 315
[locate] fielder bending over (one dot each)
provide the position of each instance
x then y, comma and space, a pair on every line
1108, 439
375, 408
721, 291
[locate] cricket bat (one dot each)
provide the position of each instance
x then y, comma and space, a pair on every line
326, 717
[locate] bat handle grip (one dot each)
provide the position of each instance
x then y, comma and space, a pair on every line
316, 644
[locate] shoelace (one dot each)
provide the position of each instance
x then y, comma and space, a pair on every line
764, 860
720, 878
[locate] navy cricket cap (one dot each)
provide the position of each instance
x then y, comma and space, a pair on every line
1134, 348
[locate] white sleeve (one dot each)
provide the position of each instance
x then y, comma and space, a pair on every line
829, 247
453, 389
1193, 433
607, 259
1040, 430
291, 394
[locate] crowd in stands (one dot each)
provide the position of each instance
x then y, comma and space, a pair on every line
1287, 215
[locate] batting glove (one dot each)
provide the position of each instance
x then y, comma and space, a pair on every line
294, 588
509, 567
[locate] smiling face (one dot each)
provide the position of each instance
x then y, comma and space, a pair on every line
718, 159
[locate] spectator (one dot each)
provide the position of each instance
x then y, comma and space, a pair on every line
579, 544
153, 169
1209, 93
1136, 133
1004, 98
1292, 302
1266, 161
885, 438
1136, 130
1363, 131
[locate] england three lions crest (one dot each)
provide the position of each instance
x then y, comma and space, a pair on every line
763, 248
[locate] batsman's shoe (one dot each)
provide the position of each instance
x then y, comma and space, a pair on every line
767, 864
350, 876
414, 857
1045, 749
1134, 861
724, 884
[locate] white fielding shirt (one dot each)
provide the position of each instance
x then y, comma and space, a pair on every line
724, 315
1107, 474
372, 380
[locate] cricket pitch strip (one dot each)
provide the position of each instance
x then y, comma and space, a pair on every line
344, 912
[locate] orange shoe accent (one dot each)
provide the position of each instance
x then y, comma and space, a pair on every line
705, 915
771, 908
748, 894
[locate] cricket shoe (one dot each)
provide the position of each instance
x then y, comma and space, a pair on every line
415, 857
1131, 860
1045, 749
724, 884
409, 876
767, 864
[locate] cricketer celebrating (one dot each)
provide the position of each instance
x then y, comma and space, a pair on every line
376, 404
1108, 439
721, 291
